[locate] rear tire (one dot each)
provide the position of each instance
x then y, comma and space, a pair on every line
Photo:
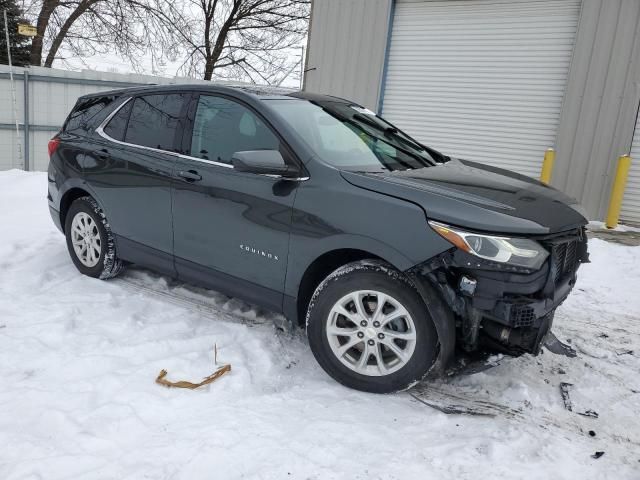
369, 329
90, 242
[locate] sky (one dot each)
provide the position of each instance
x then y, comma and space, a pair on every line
117, 64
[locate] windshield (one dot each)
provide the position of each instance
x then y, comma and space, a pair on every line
351, 137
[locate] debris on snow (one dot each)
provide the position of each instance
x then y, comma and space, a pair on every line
554, 345
445, 405
597, 455
568, 404
206, 381
184, 384
588, 413
454, 400
564, 392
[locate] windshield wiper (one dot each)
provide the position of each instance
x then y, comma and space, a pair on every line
419, 158
397, 134
365, 119
389, 130
344, 119
404, 150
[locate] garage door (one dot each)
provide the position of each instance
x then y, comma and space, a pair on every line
481, 79
630, 212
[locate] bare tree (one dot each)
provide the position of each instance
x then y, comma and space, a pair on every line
240, 39
88, 27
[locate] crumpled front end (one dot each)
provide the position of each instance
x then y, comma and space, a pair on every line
505, 308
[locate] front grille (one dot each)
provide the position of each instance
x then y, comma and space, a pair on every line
564, 260
522, 316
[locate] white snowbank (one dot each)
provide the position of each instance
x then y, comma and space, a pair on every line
597, 225
78, 359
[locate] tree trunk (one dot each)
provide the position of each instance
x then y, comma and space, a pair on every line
208, 69
82, 7
214, 55
48, 6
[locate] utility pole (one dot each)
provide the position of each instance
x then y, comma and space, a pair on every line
13, 90
302, 68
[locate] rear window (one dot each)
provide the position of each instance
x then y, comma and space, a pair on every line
154, 119
85, 110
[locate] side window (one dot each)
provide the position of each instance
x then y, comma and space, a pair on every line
223, 127
85, 110
118, 124
154, 120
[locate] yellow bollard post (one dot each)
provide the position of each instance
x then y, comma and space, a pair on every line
617, 191
547, 165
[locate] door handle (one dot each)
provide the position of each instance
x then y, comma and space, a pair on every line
104, 154
190, 175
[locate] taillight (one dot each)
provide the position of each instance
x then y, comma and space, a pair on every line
53, 146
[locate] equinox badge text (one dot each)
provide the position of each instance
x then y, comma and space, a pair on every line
257, 251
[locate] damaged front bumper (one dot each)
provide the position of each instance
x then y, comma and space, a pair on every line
502, 308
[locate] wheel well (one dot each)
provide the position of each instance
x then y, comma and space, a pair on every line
67, 199
319, 269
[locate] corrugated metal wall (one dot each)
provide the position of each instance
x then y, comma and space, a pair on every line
347, 46
599, 112
599, 106
481, 80
631, 202
347, 42
51, 95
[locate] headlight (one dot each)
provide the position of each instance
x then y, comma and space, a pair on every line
521, 252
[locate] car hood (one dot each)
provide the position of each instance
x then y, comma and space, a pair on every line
478, 197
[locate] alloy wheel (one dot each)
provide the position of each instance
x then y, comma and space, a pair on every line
85, 237
371, 333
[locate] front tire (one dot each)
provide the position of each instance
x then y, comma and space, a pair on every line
90, 242
369, 329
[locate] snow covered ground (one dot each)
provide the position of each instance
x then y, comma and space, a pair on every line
78, 359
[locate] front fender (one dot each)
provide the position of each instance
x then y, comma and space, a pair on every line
443, 319
301, 256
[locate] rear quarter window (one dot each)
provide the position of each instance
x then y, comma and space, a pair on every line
118, 124
85, 110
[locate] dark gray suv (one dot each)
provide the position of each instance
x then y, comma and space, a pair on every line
394, 256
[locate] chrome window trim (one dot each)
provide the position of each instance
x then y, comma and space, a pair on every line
100, 131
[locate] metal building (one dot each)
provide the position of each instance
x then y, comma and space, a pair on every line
497, 81
43, 99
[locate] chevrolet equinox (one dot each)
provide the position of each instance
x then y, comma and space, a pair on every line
394, 256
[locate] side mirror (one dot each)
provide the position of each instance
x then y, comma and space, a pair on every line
265, 162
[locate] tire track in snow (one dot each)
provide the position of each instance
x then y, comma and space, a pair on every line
456, 400
441, 396
188, 302
202, 306
451, 399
